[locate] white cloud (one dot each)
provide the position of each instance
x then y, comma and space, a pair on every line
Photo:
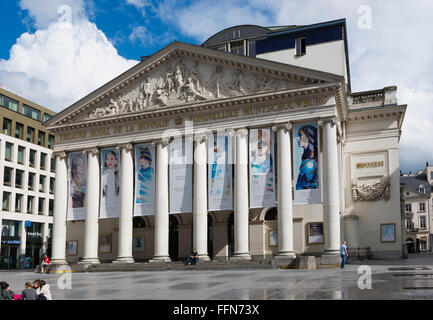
138, 3
61, 63
146, 38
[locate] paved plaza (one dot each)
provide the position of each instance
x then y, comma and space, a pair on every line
399, 279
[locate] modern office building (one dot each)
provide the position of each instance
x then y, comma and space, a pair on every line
27, 181
257, 149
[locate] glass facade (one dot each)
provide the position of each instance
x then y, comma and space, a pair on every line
10, 244
7, 126
30, 134
41, 138
19, 130
30, 112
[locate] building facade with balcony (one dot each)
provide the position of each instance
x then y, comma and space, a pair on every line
27, 182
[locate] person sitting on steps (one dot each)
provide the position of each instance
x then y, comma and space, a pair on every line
193, 258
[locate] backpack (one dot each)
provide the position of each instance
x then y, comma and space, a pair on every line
41, 296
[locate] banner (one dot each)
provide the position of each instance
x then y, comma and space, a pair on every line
77, 186
144, 203
181, 158
110, 184
306, 144
220, 190
262, 174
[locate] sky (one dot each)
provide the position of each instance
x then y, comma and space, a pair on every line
54, 52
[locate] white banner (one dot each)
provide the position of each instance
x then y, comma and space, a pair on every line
181, 159
262, 177
306, 144
144, 203
77, 186
220, 180
110, 184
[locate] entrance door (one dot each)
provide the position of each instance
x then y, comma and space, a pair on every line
231, 235
173, 238
210, 236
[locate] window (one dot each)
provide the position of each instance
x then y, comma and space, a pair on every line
41, 138
8, 151
19, 178
32, 158
52, 180
42, 163
7, 126
408, 207
21, 154
41, 183
53, 165
46, 117
31, 183
408, 223
423, 245
41, 204
431, 174
6, 200
30, 200
7, 179
237, 48
18, 202
11, 104
2, 101
30, 134
11, 228
421, 189
31, 112
422, 207
422, 224
300, 45
19, 130
50, 141
50, 207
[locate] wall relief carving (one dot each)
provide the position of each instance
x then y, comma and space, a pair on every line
377, 191
187, 80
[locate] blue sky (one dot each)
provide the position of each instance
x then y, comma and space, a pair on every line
55, 52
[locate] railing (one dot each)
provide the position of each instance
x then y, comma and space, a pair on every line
359, 253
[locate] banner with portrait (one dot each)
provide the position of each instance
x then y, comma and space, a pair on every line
262, 173
181, 159
306, 146
110, 184
144, 203
220, 182
77, 186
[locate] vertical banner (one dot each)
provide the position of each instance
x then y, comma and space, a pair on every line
181, 159
110, 184
144, 180
220, 188
306, 163
262, 178
77, 186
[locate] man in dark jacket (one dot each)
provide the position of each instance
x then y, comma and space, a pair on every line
5, 291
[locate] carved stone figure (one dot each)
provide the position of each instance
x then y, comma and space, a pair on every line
377, 191
178, 79
191, 92
238, 85
196, 76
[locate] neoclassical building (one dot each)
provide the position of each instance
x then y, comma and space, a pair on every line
240, 156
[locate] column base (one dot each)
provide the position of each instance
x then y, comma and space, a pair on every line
285, 255
241, 256
89, 261
331, 253
204, 257
160, 259
124, 260
59, 262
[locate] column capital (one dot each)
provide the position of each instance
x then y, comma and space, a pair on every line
333, 121
288, 126
60, 154
128, 146
93, 151
200, 137
231, 132
242, 132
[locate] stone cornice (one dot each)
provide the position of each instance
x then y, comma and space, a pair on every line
385, 112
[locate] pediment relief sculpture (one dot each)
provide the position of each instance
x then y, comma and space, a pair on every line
373, 192
184, 81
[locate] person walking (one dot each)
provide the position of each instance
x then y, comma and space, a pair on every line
29, 293
43, 290
45, 262
5, 291
344, 254
193, 258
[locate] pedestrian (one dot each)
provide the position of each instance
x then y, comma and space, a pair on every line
193, 258
5, 291
43, 291
29, 293
45, 262
344, 254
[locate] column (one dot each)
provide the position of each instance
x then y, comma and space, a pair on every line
23, 244
161, 203
45, 238
285, 201
200, 198
91, 225
60, 210
124, 252
241, 206
331, 208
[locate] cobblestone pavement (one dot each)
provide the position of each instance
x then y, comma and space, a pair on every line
401, 279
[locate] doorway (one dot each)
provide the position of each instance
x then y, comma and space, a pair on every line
231, 235
173, 238
210, 236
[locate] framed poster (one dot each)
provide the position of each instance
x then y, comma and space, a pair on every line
77, 186
71, 247
387, 232
105, 243
273, 238
315, 233
138, 244
144, 180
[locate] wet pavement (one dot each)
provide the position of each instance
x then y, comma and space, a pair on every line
399, 279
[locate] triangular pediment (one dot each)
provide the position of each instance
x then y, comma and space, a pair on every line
183, 74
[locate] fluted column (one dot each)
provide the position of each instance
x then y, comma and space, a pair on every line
200, 197
161, 203
91, 225
331, 208
241, 208
285, 201
124, 252
60, 210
